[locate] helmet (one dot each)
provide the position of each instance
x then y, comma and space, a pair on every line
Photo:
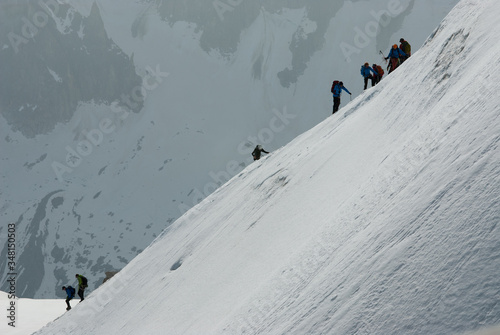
366, 64
341, 84
402, 40
395, 46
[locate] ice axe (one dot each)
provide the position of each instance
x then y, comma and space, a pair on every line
380, 51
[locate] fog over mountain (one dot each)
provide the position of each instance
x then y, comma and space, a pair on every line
117, 117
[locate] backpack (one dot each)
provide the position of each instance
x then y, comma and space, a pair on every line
84, 281
71, 291
335, 83
379, 70
256, 151
406, 47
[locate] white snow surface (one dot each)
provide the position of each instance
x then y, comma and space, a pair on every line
383, 219
30, 314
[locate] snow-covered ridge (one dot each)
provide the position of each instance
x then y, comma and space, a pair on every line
381, 220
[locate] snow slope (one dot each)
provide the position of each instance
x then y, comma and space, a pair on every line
383, 219
30, 314
214, 88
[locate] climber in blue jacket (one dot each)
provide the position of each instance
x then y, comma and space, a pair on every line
337, 91
395, 54
70, 294
365, 72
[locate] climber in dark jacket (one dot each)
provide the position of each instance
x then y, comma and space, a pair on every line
406, 48
257, 152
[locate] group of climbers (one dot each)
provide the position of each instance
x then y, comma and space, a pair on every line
70, 291
397, 56
366, 72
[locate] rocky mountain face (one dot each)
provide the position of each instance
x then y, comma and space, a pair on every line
56, 60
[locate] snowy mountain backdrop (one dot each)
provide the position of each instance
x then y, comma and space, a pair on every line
382, 219
117, 117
